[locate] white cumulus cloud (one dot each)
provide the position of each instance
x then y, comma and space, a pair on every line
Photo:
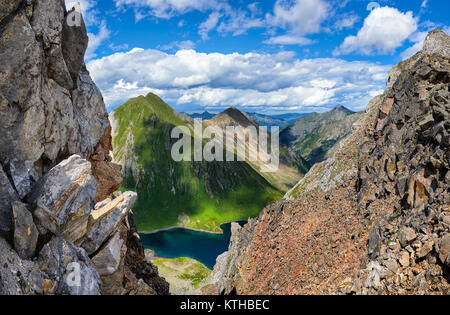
384, 30
299, 16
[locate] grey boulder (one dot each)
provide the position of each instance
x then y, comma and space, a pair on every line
108, 259
64, 198
69, 268
25, 232
444, 250
7, 196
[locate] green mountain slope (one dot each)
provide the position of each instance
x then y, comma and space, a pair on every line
315, 137
199, 195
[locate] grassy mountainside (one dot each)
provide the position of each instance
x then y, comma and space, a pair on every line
199, 195
315, 137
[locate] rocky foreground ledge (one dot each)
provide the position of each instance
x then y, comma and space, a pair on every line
59, 205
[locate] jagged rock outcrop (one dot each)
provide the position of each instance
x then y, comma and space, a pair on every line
104, 221
107, 174
405, 162
55, 165
374, 219
138, 265
435, 43
226, 266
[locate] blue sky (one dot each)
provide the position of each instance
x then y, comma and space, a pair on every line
270, 56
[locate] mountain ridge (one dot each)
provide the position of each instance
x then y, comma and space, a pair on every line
269, 121
374, 218
291, 165
316, 137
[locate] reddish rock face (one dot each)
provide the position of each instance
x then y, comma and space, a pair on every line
308, 247
105, 143
107, 174
387, 106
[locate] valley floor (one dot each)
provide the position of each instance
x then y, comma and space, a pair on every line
186, 276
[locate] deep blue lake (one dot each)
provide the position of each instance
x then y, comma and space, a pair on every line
179, 242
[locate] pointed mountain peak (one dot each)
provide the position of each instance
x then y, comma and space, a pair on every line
340, 108
234, 117
233, 110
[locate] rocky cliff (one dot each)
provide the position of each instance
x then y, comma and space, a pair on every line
61, 218
373, 219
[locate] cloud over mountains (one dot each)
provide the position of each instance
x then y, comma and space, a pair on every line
263, 81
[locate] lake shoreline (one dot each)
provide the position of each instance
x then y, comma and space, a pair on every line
176, 242
190, 229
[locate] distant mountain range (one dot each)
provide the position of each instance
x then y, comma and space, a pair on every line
291, 165
311, 137
202, 116
261, 119
276, 120
316, 136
